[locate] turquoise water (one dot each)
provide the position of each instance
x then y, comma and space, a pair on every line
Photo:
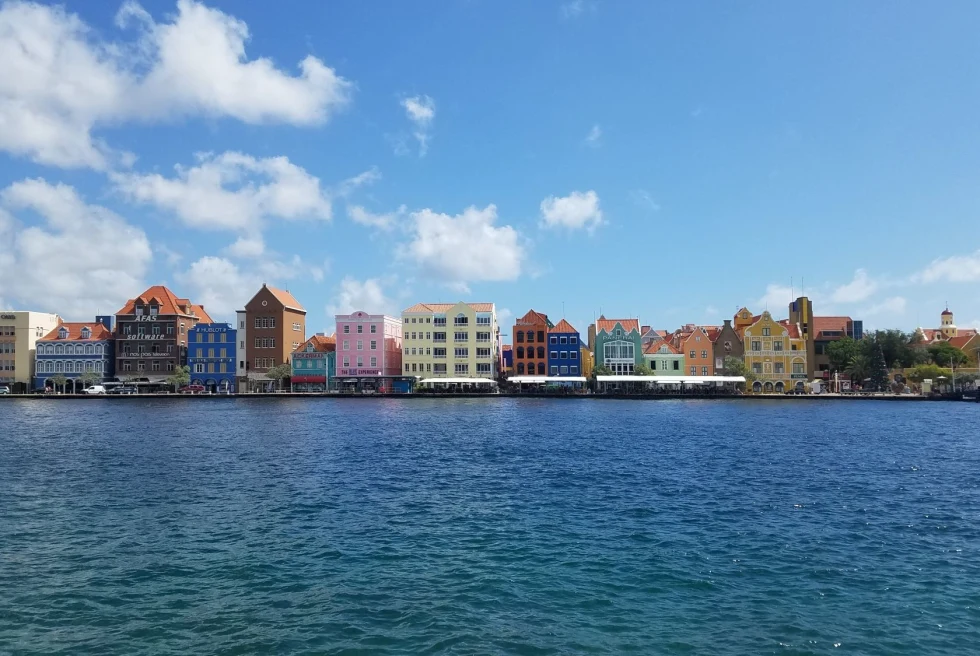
488, 526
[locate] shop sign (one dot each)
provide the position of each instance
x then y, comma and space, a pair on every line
8, 317
147, 337
359, 372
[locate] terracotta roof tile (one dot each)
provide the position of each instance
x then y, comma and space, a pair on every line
320, 343
532, 318
823, 324
960, 341
443, 307
563, 327
99, 332
713, 332
199, 312
654, 347
286, 298
610, 324
169, 303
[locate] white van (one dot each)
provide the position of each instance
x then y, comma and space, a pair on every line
95, 389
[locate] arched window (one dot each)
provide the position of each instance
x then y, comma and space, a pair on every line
59, 366
88, 365
59, 349
541, 353
69, 367
88, 349
69, 349
520, 353
520, 368
520, 336
530, 336
541, 369
98, 366
98, 349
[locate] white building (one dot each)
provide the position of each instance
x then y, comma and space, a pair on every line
19, 332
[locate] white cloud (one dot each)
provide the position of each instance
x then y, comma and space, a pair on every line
231, 191
890, 306
955, 268
776, 299
59, 81
575, 211
247, 246
385, 221
348, 186
642, 198
83, 259
711, 310
421, 111
504, 317
573, 9
594, 137
859, 289
222, 286
468, 247
367, 296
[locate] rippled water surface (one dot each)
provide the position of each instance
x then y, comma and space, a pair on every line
488, 526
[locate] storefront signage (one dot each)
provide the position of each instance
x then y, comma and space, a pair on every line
359, 372
798, 376
147, 337
210, 329
145, 355
8, 317
145, 317
308, 379
309, 356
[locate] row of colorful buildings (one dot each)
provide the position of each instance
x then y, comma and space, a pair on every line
157, 332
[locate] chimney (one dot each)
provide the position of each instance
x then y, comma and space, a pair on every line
728, 323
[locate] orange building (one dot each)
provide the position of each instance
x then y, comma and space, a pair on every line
531, 344
698, 349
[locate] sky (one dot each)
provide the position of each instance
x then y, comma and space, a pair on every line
667, 161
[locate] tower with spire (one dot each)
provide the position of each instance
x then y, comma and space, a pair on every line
948, 326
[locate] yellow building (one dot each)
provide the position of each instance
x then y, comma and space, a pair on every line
447, 340
19, 332
775, 353
587, 359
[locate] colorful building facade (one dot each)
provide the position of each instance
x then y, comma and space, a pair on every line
212, 350
369, 351
19, 332
617, 345
530, 343
564, 349
726, 343
775, 353
663, 358
699, 355
450, 340
81, 352
314, 364
276, 326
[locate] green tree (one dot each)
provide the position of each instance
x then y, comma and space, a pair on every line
179, 378
602, 370
841, 352
859, 367
280, 373
89, 378
944, 353
921, 372
642, 370
878, 372
733, 366
59, 380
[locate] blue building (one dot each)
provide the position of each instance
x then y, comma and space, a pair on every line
315, 364
211, 356
564, 343
76, 351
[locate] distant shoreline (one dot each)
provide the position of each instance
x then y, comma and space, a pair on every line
505, 395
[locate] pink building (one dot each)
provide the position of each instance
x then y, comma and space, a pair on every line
369, 351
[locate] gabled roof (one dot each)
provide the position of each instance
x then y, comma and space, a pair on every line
608, 325
166, 299
960, 341
199, 312
532, 318
653, 348
99, 332
713, 332
822, 324
320, 344
286, 298
792, 328
437, 308
563, 327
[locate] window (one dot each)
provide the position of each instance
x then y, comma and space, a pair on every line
360, 329
199, 368
554, 355
573, 339
427, 335
541, 369
704, 355
347, 345
461, 352
460, 336
360, 361
520, 368
210, 352
140, 366
530, 336
414, 352
200, 353
777, 345
573, 370
360, 345
483, 353
798, 368
439, 369
462, 368
756, 345
438, 337
483, 321
258, 322
428, 351
483, 368
520, 353
697, 338
541, 353
554, 371
573, 355
439, 321
483, 337
374, 345
778, 367
553, 339
694, 371
704, 371
439, 352
412, 335
564, 370
347, 328
296, 326
520, 336
170, 329
272, 324
756, 367
374, 361
295, 346
677, 365
541, 336
461, 320
126, 365
374, 329
766, 332
694, 355
347, 362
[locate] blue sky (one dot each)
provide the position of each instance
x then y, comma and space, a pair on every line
667, 161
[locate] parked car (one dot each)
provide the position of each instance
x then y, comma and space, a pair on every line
4, 389
95, 389
123, 390
193, 389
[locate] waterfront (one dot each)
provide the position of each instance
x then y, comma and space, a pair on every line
490, 525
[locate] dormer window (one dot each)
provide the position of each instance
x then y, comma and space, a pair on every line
62, 334
86, 333
154, 309
139, 310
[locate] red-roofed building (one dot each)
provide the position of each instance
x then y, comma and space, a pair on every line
947, 331
276, 325
151, 335
618, 347
82, 352
564, 344
530, 341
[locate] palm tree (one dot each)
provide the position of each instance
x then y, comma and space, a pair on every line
859, 367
